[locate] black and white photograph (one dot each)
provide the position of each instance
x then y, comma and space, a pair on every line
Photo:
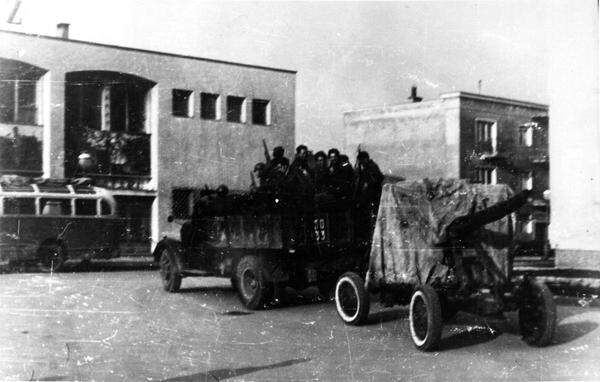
370, 191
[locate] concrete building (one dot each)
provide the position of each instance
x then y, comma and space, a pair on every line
462, 135
142, 123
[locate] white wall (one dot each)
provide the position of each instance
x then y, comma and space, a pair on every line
574, 133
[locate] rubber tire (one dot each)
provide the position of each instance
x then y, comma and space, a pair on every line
358, 314
169, 273
537, 305
249, 270
58, 254
425, 296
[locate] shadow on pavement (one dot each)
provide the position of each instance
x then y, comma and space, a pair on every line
212, 288
469, 337
571, 331
387, 315
221, 374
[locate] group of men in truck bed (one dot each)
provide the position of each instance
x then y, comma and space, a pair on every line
325, 177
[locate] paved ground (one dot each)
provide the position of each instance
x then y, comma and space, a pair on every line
122, 326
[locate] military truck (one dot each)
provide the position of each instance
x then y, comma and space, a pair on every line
263, 242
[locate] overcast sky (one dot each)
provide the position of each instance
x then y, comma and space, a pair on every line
348, 55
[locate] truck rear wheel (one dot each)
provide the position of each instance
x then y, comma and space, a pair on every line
425, 318
537, 315
351, 299
169, 272
252, 286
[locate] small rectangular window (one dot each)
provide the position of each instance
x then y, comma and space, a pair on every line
485, 176
85, 207
486, 133
183, 102
19, 206
526, 135
55, 206
210, 106
261, 112
527, 181
236, 109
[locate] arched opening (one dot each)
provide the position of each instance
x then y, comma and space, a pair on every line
21, 118
107, 117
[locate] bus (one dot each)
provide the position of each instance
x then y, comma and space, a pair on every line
50, 221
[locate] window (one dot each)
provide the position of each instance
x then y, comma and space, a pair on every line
85, 207
261, 112
181, 199
486, 135
526, 135
527, 181
19, 101
485, 176
236, 109
55, 206
210, 106
183, 102
19, 206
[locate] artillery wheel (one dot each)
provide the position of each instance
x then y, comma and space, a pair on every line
251, 284
351, 299
171, 278
425, 317
537, 315
52, 257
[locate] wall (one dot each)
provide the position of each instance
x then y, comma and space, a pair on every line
415, 140
509, 116
574, 134
190, 152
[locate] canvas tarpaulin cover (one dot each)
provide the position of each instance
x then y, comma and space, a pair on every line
410, 231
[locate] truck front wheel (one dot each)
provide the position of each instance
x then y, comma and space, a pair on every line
252, 286
169, 273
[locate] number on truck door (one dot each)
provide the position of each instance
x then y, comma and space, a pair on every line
319, 227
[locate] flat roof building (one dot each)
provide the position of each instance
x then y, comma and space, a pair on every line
139, 122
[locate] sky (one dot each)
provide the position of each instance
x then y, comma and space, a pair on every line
348, 55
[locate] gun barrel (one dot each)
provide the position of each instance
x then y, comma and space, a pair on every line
464, 225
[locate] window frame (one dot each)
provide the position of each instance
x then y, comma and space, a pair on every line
489, 135
266, 112
189, 108
216, 106
243, 109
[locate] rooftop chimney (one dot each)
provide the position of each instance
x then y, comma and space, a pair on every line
413, 95
62, 30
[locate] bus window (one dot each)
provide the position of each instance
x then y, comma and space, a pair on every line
19, 206
105, 207
55, 206
85, 207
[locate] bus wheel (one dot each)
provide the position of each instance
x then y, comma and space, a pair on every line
252, 287
171, 278
52, 257
425, 318
352, 299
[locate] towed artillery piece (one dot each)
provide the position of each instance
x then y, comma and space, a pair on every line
444, 247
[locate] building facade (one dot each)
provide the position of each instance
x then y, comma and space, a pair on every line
141, 123
463, 135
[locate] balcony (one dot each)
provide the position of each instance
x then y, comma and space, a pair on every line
116, 160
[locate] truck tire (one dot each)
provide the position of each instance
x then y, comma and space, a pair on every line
252, 287
169, 271
425, 318
537, 315
52, 257
352, 299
